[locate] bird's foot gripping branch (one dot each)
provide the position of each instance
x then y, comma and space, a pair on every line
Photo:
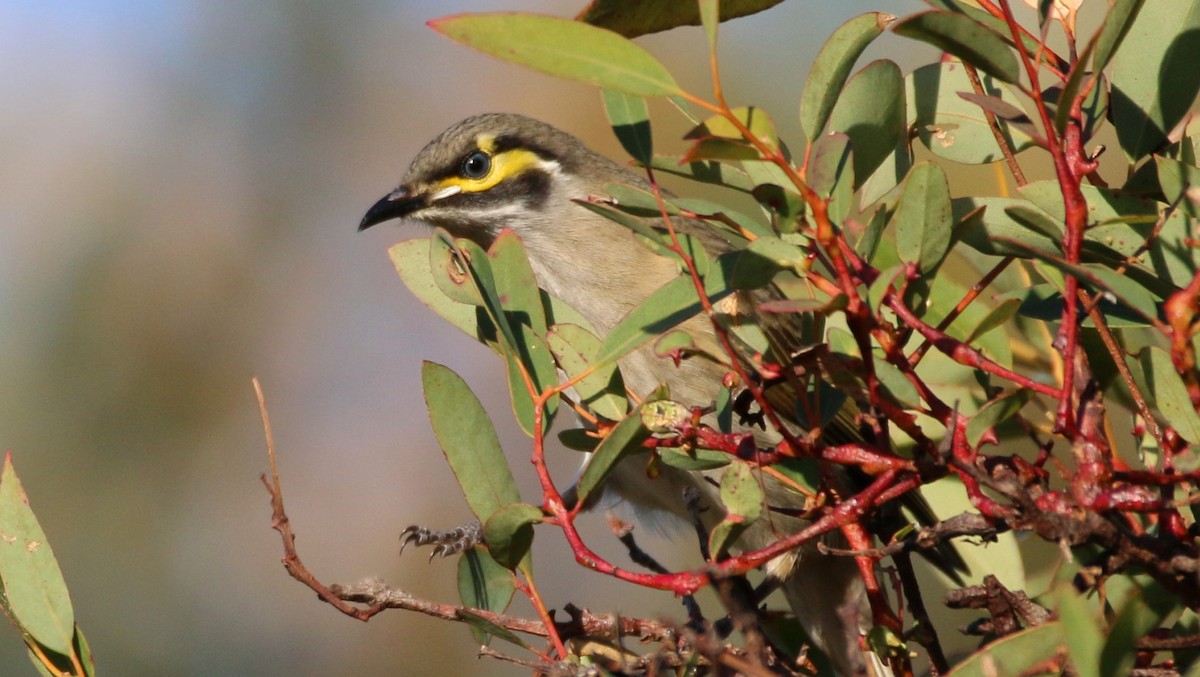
808, 382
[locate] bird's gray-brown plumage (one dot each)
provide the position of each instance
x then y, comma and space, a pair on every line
599, 268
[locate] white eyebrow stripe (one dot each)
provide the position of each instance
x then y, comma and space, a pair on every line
445, 192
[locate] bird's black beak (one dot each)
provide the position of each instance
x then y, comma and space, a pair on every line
395, 205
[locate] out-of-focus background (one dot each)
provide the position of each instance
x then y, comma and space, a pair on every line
179, 191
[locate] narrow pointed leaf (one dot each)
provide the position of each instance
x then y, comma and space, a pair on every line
625, 438
632, 19
563, 48
1121, 14
35, 593
964, 38
1169, 394
468, 441
667, 307
713, 172
602, 391
483, 584
995, 412
630, 120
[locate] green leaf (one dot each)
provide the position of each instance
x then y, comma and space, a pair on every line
896, 384
1155, 78
984, 224
966, 39
997, 317
868, 244
1147, 605
35, 593
952, 127
509, 533
870, 110
1121, 14
602, 391
694, 459
468, 441
411, 259
762, 260
483, 584
632, 19
449, 270
1094, 106
1123, 223
563, 48
833, 65
880, 286
516, 284
995, 412
754, 120
831, 173
630, 120
481, 625
1180, 184
1127, 291
1085, 640
1168, 392
667, 307
923, 217
504, 273
532, 352
1014, 654
625, 438
996, 23
741, 493
714, 172
743, 499
710, 16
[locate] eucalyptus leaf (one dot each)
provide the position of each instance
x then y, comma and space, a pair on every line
1166, 388
632, 19
923, 217
468, 440
509, 533
995, 412
833, 65
871, 111
1154, 77
412, 262
705, 171
624, 439
1014, 654
563, 48
483, 584
35, 595
602, 390
665, 308
630, 120
965, 38
952, 127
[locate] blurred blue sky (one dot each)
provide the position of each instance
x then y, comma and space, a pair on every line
179, 194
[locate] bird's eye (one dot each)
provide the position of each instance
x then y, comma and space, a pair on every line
476, 165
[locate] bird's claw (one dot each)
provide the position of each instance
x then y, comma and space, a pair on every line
445, 543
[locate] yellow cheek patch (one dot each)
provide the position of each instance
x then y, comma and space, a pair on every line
505, 166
